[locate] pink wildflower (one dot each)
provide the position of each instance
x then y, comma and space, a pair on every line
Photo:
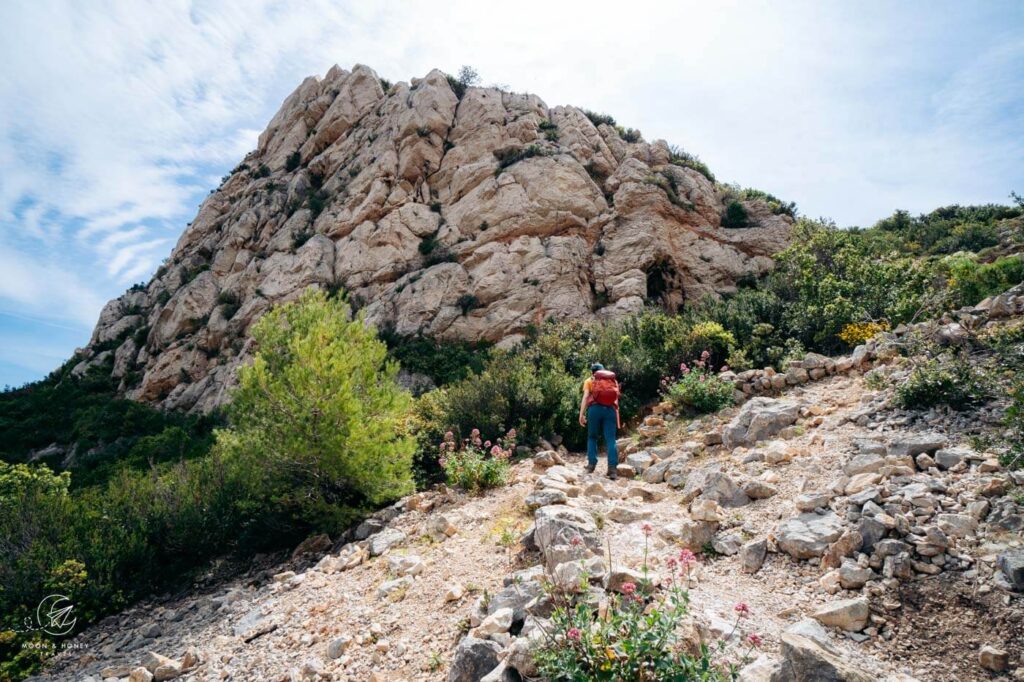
576, 541
705, 355
742, 609
725, 368
487, 444
573, 634
628, 588
475, 432
646, 528
754, 639
443, 462
687, 558
671, 563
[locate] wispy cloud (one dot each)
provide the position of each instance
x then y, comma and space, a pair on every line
115, 117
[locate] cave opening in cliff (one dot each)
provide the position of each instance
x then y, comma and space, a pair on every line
663, 285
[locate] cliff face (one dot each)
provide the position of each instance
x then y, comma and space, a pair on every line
468, 218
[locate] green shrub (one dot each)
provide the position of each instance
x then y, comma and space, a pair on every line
477, 465
777, 206
1013, 458
444, 362
467, 302
293, 161
970, 281
945, 230
698, 389
507, 157
467, 77
599, 119
710, 341
680, 157
320, 411
735, 215
943, 380
630, 135
638, 637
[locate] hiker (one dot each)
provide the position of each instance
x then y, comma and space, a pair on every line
599, 412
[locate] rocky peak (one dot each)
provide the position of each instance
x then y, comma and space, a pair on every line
453, 212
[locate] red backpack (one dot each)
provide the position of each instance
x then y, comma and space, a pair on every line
604, 389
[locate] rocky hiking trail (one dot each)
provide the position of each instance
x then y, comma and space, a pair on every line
870, 543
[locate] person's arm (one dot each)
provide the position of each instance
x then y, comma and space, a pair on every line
583, 407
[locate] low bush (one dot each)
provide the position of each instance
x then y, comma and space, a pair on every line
1013, 457
639, 636
599, 119
970, 281
477, 465
680, 157
946, 379
856, 333
735, 215
507, 157
698, 388
444, 362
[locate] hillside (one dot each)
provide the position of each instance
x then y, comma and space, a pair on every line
868, 541
239, 474
446, 210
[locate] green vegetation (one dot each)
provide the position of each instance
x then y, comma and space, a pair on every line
444, 362
316, 437
507, 157
133, 500
476, 465
637, 637
777, 206
947, 379
668, 183
293, 161
680, 157
94, 432
599, 119
467, 77
698, 388
628, 134
735, 215
943, 231
320, 414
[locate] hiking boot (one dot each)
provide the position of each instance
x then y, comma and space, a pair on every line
590, 468
613, 475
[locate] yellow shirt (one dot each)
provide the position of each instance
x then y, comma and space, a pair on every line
587, 384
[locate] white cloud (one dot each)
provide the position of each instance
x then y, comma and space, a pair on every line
46, 291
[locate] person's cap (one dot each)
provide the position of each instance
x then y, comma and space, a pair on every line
596, 367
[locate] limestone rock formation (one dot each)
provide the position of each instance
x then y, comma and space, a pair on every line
468, 218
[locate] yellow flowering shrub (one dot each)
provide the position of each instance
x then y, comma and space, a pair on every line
856, 333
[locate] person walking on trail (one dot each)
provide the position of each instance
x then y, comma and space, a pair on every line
599, 412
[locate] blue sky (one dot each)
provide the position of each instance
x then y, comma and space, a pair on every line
116, 118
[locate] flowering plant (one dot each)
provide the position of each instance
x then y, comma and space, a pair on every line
635, 636
697, 387
477, 464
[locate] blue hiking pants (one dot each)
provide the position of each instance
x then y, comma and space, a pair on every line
602, 420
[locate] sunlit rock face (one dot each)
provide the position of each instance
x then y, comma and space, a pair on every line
467, 218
